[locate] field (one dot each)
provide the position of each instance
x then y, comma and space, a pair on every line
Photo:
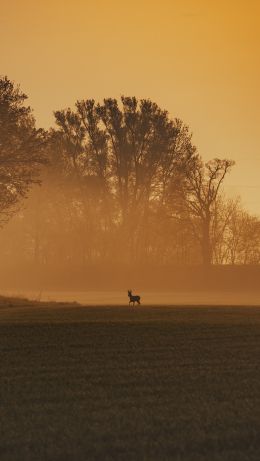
114, 383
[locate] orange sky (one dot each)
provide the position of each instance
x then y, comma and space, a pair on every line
197, 58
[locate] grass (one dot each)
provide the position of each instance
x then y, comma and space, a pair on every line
116, 383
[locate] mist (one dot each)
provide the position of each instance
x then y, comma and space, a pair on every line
116, 196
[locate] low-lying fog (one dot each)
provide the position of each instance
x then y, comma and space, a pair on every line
147, 298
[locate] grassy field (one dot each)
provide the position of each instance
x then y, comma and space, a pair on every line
113, 383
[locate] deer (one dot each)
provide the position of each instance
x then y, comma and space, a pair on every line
133, 298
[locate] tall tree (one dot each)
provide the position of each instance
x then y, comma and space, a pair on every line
203, 185
143, 149
21, 148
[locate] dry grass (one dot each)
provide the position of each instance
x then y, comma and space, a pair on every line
122, 384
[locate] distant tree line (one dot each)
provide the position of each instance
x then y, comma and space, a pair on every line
117, 182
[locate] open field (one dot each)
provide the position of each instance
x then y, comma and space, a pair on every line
117, 383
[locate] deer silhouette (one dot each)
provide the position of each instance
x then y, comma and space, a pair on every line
133, 298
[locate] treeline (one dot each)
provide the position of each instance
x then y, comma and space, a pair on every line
114, 183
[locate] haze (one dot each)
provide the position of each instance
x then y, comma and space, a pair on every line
197, 59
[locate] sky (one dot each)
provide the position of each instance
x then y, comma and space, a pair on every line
199, 59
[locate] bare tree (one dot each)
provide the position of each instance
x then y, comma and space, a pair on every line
203, 184
242, 240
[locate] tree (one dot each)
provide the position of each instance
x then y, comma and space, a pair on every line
243, 237
85, 173
203, 185
135, 150
131, 150
21, 148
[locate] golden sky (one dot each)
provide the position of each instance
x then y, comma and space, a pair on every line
199, 59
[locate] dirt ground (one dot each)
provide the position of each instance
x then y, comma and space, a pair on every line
117, 383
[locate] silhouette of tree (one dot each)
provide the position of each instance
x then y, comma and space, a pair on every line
242, 242
223, 210
142, 149
21, 148
203, 185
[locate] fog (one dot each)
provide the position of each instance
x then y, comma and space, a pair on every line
119, 298
116, 197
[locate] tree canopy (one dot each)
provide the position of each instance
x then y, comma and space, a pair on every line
21, 147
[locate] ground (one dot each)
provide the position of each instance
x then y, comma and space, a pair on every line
118, 383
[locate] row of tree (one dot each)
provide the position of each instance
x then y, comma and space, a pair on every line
115, 182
